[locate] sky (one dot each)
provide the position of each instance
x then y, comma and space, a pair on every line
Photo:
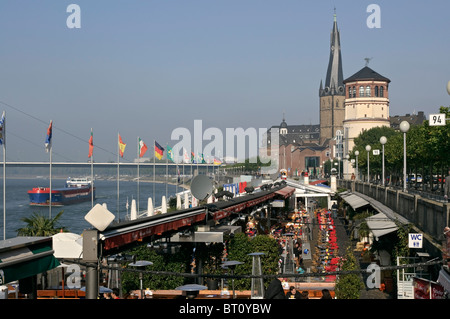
146, 68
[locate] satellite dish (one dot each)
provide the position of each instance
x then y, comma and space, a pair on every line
201, 187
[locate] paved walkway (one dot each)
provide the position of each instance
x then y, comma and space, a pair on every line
343, 242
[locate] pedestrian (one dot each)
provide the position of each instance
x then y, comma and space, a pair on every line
304, 295
447, 186
275, 290
115, 293
297, 252
293, 293
326, 294
106, 295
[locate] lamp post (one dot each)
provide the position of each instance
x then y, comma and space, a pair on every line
357, 172
404, 127
368, 148
383, 141
347, 157
141, 263
339, 166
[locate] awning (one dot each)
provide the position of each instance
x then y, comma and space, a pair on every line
355, 201
444, 279
23, 257
381, 225
286, 191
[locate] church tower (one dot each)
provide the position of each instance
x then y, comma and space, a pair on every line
332, 95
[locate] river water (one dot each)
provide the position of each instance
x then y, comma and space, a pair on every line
17, 202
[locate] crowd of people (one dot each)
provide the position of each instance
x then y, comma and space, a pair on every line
289, 234
326, 257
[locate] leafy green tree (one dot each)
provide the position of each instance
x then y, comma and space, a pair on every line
371, 137
348, 286
239, 248
161, 262
39, 225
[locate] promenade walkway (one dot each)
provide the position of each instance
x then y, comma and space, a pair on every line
343, 242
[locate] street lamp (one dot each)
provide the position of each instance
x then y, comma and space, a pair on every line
383, 141
368, 148
404, 127
357, 172
141, 263
339, 166
347, 157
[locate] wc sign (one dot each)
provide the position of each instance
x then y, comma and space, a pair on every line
415, 240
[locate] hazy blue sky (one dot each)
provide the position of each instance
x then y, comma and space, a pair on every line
144, 68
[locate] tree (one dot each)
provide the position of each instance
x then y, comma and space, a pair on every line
161, 262
239, 248
371, 137
348, 286
38, 225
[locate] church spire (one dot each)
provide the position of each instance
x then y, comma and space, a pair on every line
334, 79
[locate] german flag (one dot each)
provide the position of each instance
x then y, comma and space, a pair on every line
159, 151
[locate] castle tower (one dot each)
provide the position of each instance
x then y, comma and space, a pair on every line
332, 95
366, 106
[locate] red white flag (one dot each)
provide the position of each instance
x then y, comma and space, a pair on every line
91, 145
142, 148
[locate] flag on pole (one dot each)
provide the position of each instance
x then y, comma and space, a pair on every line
170, 153
217, 162
2, 129
91, 144
159, 151
186, 156
203, 159
192, 157
121, 146
142, 148
48, 139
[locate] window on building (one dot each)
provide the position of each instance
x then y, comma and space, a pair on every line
349, 92
312, 162
361, 91
367, 90
354, 91
376, 90
381, 91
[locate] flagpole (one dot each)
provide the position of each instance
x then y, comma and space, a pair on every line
50, 193
4, 175
92, 177
154, 163
183, 165
167, 167
176, 170
138, 160
118, 160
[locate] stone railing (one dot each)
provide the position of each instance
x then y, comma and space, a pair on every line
429, 215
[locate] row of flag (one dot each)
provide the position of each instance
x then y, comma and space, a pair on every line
159, 150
